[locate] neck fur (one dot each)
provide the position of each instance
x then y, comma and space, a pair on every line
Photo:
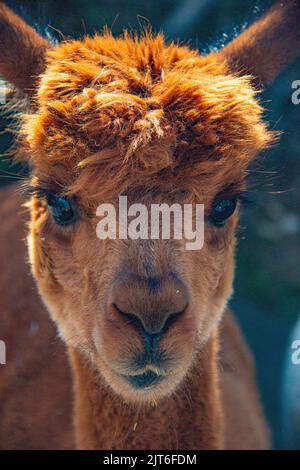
189, 419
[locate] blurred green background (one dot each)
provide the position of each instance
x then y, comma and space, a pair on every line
267, 288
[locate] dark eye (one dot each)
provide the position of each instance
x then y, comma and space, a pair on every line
222, 210
62, 210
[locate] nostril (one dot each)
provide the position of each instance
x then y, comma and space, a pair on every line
150, 328
172, 318
130, 318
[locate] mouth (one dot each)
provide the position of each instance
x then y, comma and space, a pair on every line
146, 380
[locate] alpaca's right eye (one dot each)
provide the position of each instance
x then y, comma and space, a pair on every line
62, 209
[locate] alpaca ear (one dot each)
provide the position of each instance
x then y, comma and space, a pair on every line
269, 45
22, 53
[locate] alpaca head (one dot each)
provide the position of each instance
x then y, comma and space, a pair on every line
158, 124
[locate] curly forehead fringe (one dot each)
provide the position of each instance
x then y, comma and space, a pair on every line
128, 109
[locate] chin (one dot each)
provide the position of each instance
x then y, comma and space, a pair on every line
147, 387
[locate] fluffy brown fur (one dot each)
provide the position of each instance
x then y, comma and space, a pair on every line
158, 123
162, 118
138, 110
36, 384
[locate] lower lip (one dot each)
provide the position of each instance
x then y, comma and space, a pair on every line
146, 380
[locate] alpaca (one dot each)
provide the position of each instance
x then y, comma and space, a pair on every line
149, 351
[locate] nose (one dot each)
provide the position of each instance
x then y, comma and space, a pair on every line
151, 303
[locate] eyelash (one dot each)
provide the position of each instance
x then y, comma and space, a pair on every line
36, 191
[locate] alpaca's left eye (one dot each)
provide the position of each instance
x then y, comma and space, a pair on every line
62, 210
222, 210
